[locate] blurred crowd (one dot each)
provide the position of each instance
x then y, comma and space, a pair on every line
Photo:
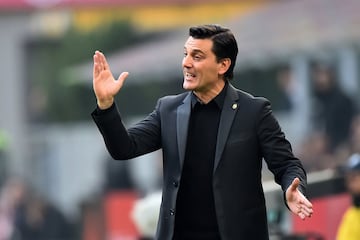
336, 124
334, 131
26, 215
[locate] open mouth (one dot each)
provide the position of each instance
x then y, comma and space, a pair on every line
189, 75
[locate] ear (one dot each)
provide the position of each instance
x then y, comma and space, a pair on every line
224, 65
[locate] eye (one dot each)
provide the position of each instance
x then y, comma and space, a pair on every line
197, 57
185, 54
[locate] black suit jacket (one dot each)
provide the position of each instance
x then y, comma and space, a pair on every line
248, 133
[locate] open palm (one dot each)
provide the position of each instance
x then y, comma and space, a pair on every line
297, 202
104, 84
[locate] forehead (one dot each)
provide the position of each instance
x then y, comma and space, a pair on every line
194, 44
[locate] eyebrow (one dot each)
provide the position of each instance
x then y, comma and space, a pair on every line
196, 51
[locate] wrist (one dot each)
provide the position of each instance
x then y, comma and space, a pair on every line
105, 104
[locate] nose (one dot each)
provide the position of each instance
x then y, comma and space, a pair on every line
186, 62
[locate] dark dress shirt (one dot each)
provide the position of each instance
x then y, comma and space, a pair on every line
195, 209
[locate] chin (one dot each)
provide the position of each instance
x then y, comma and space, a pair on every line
189, 86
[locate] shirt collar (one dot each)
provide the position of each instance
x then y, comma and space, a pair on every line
218, 99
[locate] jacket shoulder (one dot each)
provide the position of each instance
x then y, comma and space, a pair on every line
176, 97
172, 100
251, 99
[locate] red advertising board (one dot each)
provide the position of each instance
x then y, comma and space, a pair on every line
328, 212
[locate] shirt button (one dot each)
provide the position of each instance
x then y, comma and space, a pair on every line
172, 212
175, 184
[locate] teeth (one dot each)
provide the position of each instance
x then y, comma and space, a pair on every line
190, 75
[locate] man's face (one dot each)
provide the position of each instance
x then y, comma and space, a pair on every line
202, 72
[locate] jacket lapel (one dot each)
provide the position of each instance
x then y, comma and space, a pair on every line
182, 120
227, 116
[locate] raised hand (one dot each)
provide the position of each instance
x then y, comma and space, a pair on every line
104, 84
297, 202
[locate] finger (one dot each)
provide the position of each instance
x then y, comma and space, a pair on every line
97, 56
307, 211
104, 63
307, 204
99, 59
302, 216
306, 214
304, 201
96, 69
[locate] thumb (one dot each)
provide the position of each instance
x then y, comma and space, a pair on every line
121, 79
295, 184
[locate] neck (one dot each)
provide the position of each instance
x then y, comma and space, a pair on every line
208, 95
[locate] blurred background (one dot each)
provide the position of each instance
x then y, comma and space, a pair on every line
57, 181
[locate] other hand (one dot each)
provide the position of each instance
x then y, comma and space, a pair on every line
297, 202
104, 84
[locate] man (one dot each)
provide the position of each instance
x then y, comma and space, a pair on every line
349, 227
330, 99
213, 139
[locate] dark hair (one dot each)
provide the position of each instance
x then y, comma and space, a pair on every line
224, 43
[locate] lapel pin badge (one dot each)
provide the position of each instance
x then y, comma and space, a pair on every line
234, 106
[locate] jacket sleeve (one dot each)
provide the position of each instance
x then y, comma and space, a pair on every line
144, 137
277, 151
